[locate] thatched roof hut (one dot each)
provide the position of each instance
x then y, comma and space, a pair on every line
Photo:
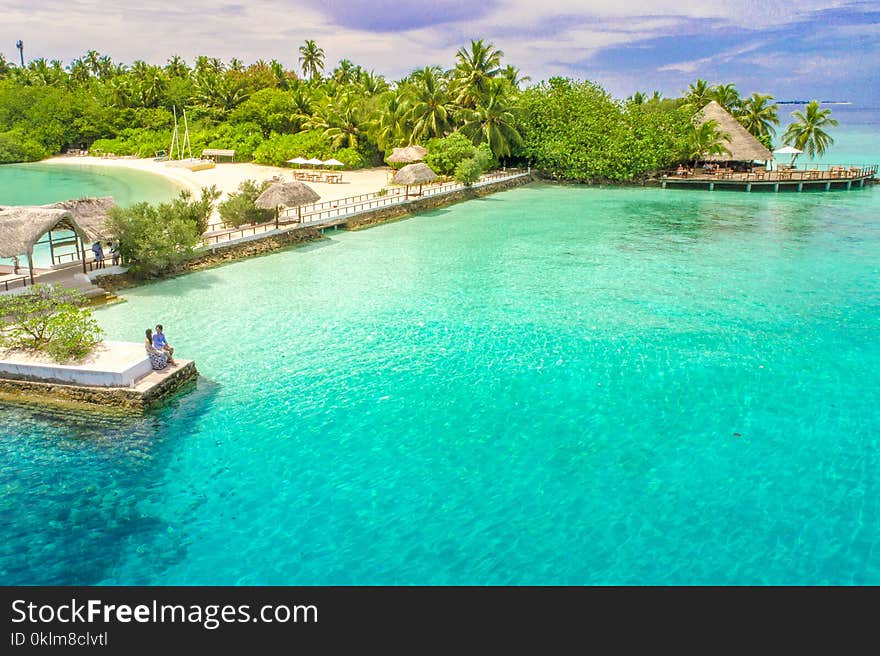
415, 174
407, 155
21, 227
90, 216
286, 194
742, 145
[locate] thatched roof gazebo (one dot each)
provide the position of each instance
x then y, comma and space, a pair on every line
412, 174
90, 215
742, 145
286, 194
21, 227
407, 155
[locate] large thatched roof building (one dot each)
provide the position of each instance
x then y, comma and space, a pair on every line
21, 227
742, 145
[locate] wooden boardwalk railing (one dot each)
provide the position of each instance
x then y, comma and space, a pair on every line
331, 211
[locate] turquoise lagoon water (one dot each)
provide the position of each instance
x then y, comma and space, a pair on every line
38, 184
549, 385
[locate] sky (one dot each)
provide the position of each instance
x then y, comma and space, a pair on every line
793, 49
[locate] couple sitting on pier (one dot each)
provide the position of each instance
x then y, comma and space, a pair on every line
158, 349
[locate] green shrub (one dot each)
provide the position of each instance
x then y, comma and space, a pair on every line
468, 171
239, 209
156, 238
279, 148
15, 146
350, 157
444, 154
48, 319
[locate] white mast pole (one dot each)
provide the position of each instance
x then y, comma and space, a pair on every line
186, 135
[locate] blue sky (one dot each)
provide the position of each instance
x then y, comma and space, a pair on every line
827, 49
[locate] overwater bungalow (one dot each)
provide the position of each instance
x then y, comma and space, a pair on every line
746, 166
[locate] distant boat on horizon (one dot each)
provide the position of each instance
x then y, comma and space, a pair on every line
821, 102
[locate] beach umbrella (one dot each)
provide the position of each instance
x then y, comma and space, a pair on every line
788, 150
298, 160
315, 161
415, 174
332, 162
407, 155
286, 194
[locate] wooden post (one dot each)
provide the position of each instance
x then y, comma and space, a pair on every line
82, 245
848, 185
31, 265
277, 212
827, 186
711, 186
52, 249
800, 186
748, 186
299, 216
776, 187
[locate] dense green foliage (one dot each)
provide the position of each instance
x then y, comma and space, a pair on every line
268, 113
48, 319
444, 154
156, 238
577, 131
263, 111
239, 208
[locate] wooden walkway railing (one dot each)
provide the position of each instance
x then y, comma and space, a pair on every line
331, 211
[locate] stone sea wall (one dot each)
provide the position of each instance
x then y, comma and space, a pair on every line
113, 399
399, 212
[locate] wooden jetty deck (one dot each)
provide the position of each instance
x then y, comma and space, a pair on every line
815, 177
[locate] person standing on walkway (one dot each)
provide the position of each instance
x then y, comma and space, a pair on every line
98, 252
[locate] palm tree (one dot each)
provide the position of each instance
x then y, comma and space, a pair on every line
698, 94
345, 72
706, 139
760, 117
176, 67
391, 121
372, 83
808, 131
311, 59
493, 121
92, 60
512, 74
431, 111
727, 96
475, 67
341, 121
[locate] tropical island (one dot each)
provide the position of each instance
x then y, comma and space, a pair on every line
472, 129
268, 114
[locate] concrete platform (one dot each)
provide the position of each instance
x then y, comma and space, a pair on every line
116, 376
112, 364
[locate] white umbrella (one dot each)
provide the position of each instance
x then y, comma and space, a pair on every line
298, 160
314, 161
788, 150
332, 162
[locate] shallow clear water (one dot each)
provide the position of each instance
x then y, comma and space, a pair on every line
38, 184
549, 385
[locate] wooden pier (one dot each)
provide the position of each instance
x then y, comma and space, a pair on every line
815, 177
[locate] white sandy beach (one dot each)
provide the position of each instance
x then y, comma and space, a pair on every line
227, 177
